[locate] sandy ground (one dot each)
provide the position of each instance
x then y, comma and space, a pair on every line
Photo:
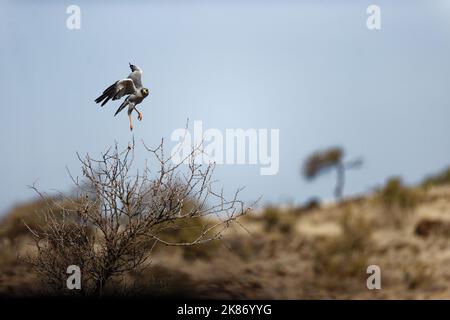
320, 253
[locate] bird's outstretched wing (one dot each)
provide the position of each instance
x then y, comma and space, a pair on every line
135, 75
117, 91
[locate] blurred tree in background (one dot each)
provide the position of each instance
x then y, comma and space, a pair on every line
330, 159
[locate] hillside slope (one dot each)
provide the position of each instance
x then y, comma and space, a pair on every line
290, 253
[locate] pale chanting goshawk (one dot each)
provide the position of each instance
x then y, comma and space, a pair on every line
131, 86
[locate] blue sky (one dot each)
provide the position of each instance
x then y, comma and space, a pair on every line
310, 69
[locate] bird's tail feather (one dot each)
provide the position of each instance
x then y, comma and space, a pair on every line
123, 105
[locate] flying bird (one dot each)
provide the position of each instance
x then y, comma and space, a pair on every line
131, 86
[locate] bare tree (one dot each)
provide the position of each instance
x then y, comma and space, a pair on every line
332, 158
119, 216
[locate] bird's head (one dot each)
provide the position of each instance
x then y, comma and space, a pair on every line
145, 92
132, 66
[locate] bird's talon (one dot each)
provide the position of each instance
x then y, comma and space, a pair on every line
140, 116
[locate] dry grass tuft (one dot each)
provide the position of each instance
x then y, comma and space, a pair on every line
277, 221
398, 201
345, 257
439, 179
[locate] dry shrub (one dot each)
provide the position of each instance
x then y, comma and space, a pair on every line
439, 179
398, 201
111, 228
429, 227
277, 221
395, 193
338, 259
8, 255
14, 225
417, 274
207, 251
186, 230
247, 248
61, 242
310, 205
158, 282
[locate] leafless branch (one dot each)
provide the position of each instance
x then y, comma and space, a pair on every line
121, 214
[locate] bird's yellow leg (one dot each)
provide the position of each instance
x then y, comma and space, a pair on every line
131, 122
139, 114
